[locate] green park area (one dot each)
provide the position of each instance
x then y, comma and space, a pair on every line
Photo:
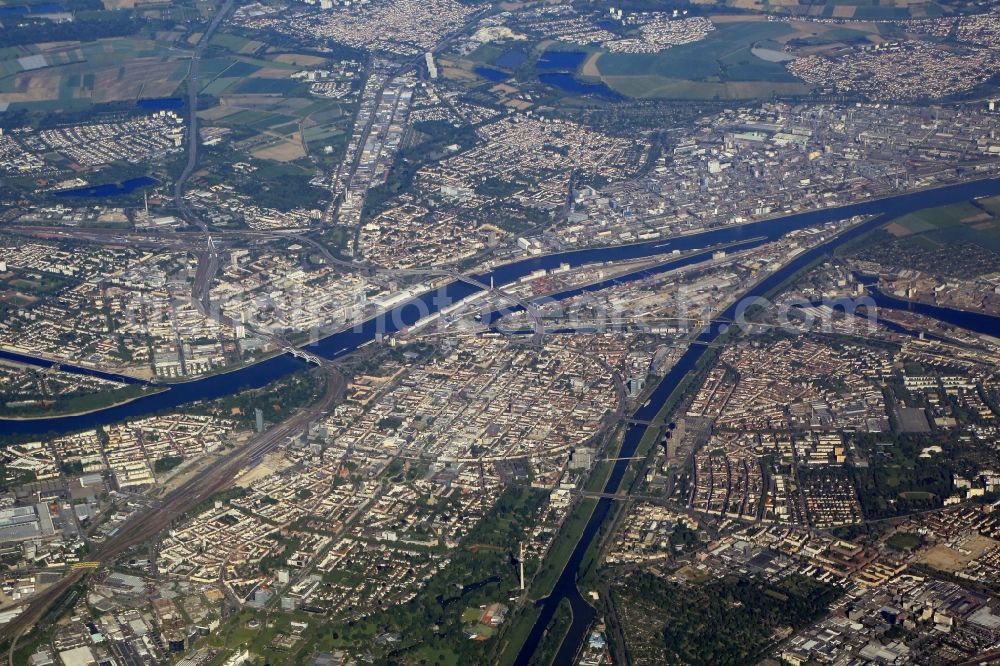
732, 620
721, 65
860, 10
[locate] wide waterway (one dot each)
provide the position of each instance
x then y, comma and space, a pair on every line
977, 322
342, 343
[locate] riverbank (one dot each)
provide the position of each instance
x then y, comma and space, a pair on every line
18, 355
70, 411
977, 322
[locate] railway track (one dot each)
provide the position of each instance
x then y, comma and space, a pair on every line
148, 524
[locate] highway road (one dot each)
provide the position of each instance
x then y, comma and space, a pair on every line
192, 119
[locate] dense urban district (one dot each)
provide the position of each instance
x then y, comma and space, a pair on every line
446, 332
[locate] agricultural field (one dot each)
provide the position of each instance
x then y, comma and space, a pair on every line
75, 54
971, 222
267, 105
959, 241
724, 55
715, 56
740, 59
261, 109
284, 114
875, 10
52, 76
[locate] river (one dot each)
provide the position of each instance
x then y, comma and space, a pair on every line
978, 322
407, 314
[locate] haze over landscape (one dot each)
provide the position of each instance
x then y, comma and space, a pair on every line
521, 332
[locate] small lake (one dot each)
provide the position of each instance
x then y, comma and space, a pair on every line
568, 60
569, 83
490, 74
109, 189
161, 103
43, 8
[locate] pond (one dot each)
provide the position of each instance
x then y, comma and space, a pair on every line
568, 60
109, 189
161, 103
491, 74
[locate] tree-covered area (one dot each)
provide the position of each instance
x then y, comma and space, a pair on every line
283, 191
555, 633
494, 186
725, 622
684, 539
899, 479
25, 404
167, 463
96, 25
223, 496
278, 400
513, 216
481, 570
